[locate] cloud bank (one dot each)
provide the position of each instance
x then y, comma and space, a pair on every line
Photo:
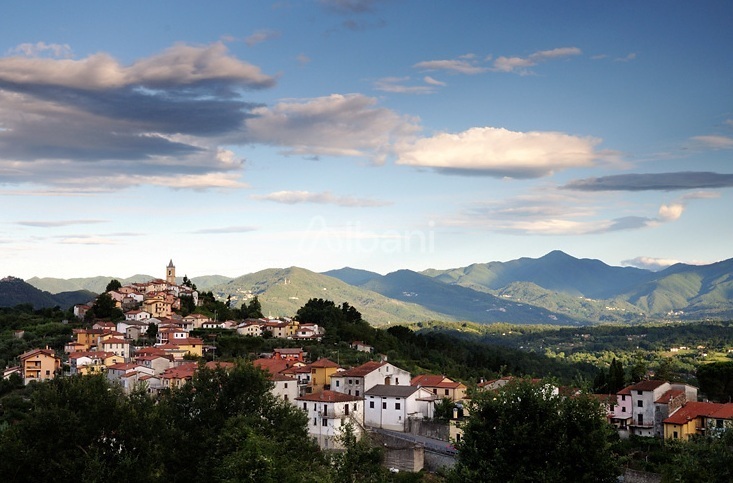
327, 198
94, 122
500, 153
685, 180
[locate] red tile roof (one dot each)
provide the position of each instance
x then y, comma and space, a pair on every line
725, 412
667, 396
692, 410
647, 385
273, 366
323, 362
362, 370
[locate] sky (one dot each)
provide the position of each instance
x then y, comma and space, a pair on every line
237, 136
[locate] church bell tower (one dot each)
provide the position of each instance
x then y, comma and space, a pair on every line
170, 273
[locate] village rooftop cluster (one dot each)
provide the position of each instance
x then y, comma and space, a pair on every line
376, 395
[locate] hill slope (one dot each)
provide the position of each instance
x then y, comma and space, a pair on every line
460, 302
14, 291
556, 271
283, 291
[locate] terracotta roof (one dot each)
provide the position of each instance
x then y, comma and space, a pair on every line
625, 391
323, 362
647, 385
725, 412
281, 377
273, 366
692, 410
34, 352
288, 351
330, 396
430, 380
427, 380
667, 396
362, 370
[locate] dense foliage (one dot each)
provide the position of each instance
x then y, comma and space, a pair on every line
524, 432
223, 426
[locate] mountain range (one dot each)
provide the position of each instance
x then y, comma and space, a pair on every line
554, 289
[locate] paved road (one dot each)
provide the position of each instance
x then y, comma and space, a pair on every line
430, 444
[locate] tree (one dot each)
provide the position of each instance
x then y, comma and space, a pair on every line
254, 309
360, 461
444, 409
524, 432
114, 284
105, 308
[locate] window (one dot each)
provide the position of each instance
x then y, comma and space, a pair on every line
315, 422
623, 397
354, 406
640, 403
371, 404
640, 419
623, 409
351, 381
357, 382
639, 392
675, 435
384, 405
325, 422
286, 385
397, 406
447, 392
305, 406
338, 383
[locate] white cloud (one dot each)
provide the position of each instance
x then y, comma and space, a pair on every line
671, 212
297, 197
397, 85
303, 59
500, 152
456, 66
61, 51
261, 36
715, 142
650, 263
521, 65
547, 210
336, 125
433, 82
58, 223
176, 66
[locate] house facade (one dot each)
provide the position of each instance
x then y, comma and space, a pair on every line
390, 407
358, 380
39, 365
328, 412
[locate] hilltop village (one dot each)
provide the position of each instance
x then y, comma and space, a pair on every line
419, 418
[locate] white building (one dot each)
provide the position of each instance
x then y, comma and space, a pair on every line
359, 379
328, 412
285, 387
389, 407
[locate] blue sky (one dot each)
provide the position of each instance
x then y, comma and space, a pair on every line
377, 134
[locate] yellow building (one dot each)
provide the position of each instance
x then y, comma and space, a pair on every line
689, 420
321, 372
39, 365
